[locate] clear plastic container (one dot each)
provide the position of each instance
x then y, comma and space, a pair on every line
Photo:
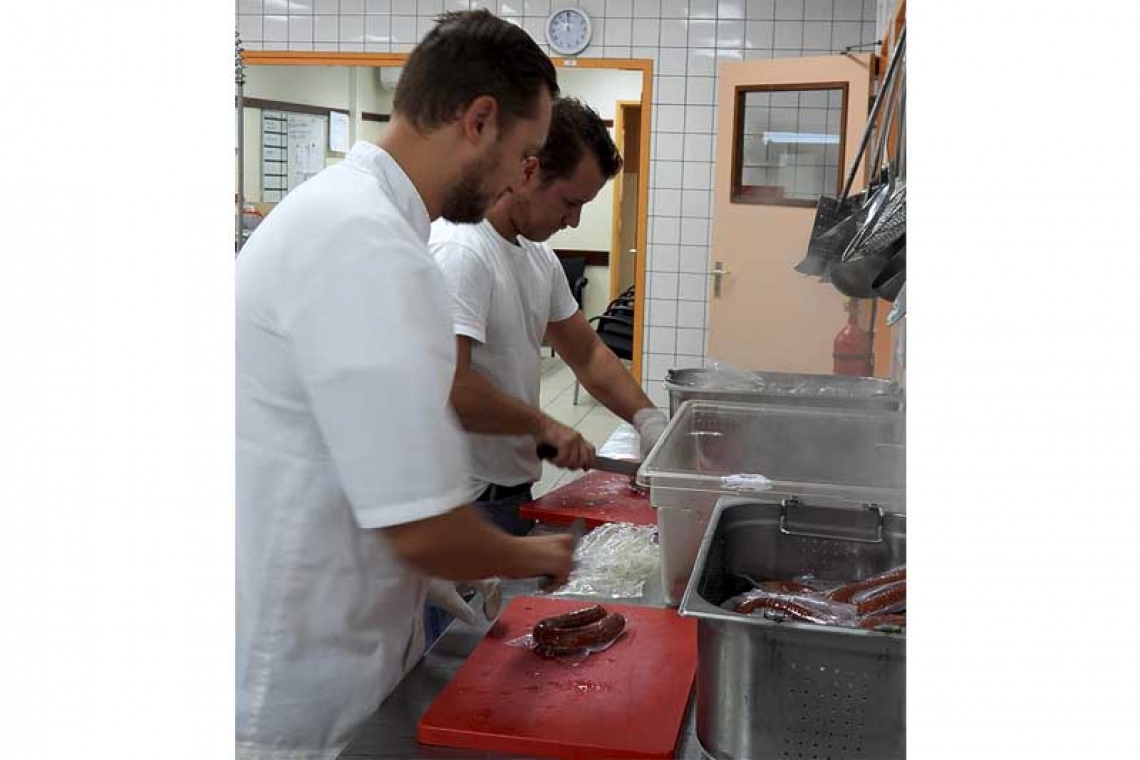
826, 457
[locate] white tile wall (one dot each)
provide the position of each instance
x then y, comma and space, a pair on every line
378, 29
690, 314
730, 9
687, 40
690, 341
693, 258
670, 146
672, 61
664, 313
664, 258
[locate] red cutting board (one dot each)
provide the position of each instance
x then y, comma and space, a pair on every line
597, 497
628, 701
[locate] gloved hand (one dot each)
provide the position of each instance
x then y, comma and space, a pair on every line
446, 596
650, 423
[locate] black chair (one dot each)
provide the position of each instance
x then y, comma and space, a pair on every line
575, 269
615, 330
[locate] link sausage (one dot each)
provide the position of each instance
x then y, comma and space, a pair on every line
874, 621
574, 619
888, 598
596, 634
797, 612
845, 592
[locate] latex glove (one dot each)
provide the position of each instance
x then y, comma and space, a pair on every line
650, 423
446, 596
492, 592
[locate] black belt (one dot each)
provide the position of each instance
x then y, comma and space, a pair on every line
496, 492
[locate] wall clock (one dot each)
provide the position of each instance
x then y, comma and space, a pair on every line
568, 31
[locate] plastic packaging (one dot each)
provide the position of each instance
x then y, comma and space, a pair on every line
623, 443
888, 622
721, 376
557, 638
614, 561
880, 600
847, 591
741, 482
801, 608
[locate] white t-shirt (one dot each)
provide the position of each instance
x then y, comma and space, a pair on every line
345, 359
503, 296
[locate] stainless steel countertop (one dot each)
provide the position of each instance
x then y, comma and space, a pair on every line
391, 731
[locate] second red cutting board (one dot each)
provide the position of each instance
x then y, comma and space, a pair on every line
628, 701
596, 497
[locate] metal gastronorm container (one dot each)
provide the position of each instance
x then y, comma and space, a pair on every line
831, 391
768, 689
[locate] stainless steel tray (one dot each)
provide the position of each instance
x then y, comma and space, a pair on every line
769, 689
799, 389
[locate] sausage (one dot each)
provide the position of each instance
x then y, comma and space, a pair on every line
578, 618
888, 598
874, 621
596, 634
553, 634
797, 612
845, 592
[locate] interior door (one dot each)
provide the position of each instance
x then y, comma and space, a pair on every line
623, 249
787, 132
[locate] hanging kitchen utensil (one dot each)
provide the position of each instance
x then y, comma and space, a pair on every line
898, 310
881, 230
838, 219
888, 223
890, 281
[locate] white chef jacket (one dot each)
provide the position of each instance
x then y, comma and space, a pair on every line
503, 297
345, 359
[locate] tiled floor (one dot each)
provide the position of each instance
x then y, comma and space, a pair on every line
592, 420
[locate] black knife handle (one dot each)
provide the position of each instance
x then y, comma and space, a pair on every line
546, 451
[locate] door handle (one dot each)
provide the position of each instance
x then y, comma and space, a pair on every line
718, 273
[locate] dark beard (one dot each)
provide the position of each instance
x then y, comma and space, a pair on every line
465, 203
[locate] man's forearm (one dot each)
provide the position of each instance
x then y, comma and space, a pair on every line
461, 545
608, 381
483, 408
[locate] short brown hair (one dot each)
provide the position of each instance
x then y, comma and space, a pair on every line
467, 55
574, 129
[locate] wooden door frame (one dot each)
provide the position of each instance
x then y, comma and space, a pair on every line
644, 65
616, 251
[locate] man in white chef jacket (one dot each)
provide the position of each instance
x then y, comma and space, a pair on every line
509, 290
351, 469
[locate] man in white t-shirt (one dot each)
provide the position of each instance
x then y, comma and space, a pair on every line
351, 470
509, 290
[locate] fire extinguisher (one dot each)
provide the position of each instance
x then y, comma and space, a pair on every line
852, 351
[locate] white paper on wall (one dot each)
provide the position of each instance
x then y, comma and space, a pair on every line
306, 147
338, 132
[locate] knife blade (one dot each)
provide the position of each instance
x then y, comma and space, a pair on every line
605, 464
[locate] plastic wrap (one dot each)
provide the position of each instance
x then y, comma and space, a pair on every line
614, 561
888, 622
796, 608
623, 443
847, 591
551, 637
721, 376
890, 597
